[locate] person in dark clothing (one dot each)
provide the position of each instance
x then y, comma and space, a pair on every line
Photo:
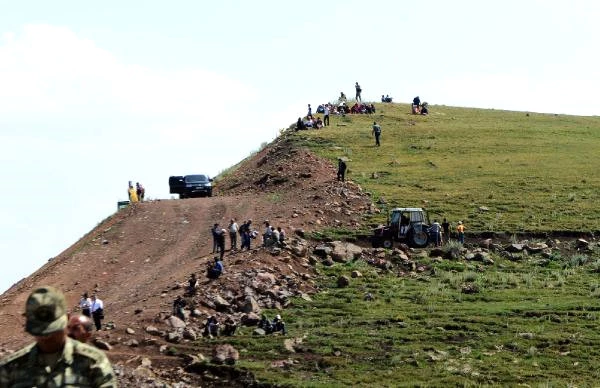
192, 284
178, 305
446, 230
211, 327
265, 324
245, 234
341, 170
221, 242
416, 105
377, 133
425, 108
300, 124
278, 325
358, 92
214, 271
214, 230
326, 116
229, 327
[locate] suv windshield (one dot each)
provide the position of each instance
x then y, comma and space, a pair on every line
196, 178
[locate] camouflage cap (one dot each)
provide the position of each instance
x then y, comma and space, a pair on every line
46, 311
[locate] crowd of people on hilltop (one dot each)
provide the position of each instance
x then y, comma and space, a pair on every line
342, 108
419, 107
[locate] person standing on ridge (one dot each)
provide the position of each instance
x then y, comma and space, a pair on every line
326, 115
132, 193
54, 359
221, 242
358, 92
97, 312
233, 231
460, 229
446, 230
377, 132
85, 304
215, 234
140, 191
341, 174
436, 231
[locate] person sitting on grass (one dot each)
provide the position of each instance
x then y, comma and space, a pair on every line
272, 327
192, 285
229, 328
416, 105
211, 327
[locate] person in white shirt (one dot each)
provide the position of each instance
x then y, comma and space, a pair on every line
85, 304
326, 116
233, 231
97, 312
267, 233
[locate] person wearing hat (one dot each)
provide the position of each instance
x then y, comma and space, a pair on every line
54, 359
460, 228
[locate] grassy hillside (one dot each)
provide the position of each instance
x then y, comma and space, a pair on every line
496, 170
525, 320
528, 323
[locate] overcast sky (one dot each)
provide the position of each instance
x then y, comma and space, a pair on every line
94, 94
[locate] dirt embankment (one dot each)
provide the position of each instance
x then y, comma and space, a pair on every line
137, 259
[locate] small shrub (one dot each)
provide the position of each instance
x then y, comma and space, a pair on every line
469, 277
577, 260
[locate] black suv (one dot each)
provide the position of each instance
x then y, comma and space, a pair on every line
191, 186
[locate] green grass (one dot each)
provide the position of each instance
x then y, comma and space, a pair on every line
526, 325
530, 322
532, 173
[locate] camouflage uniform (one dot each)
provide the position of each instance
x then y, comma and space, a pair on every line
72, 364
79, 365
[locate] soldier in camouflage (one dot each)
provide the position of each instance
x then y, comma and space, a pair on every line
54, 360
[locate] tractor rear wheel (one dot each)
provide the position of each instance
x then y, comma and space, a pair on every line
418, 239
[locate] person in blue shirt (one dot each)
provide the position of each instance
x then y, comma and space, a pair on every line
216, 270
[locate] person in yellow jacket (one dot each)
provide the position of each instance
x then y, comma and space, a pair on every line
132, 193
